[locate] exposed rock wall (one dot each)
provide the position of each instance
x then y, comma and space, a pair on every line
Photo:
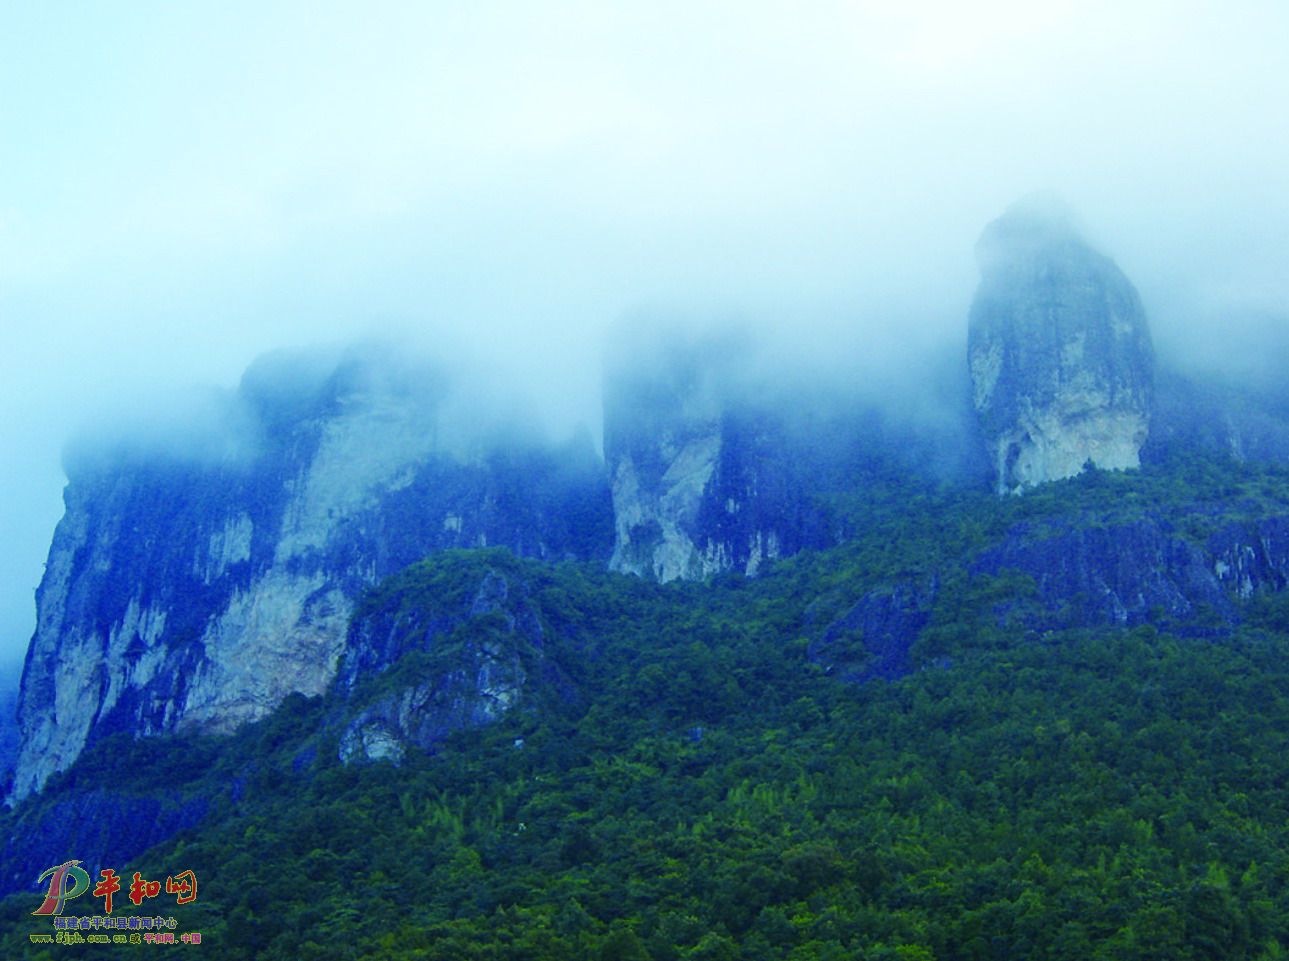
1060, 355
1125, 574
662, 447
704, 479
1145, 571
874, 639
194, 592
419, 667
1086, 572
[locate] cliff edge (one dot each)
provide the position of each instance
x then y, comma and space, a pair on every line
1061, 359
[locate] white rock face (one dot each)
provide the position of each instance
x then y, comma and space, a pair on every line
281, 636
486, 685
279, 629
54, 736
1059, 351
229, 546
704, 469
1052, 446
372, 741
196, 591
762, 547
367, 450
53, 714
651, 525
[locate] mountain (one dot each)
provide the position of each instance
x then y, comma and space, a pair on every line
721, 458
564, 761
704, 479
194, 583
208, 567
781, 675
1060, 352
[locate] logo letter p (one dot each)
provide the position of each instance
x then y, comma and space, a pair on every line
68, 873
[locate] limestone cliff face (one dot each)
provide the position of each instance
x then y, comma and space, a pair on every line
662, 446
1144, 571
1060, 355
197, 590
703, 479
421, 665
1079, 571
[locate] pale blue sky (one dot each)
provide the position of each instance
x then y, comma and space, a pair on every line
184, 185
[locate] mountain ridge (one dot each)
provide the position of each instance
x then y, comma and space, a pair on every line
196, 585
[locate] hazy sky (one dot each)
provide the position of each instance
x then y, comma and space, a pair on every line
184, 185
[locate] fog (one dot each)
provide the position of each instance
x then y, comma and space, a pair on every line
186, 186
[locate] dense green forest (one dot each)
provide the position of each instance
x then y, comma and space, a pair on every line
697, 786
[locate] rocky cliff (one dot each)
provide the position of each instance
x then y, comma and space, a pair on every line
200, 576
443, 647
192, 584
1085, 571
1060, 355
704, 478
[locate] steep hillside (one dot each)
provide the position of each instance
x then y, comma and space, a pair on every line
524, 760
193, 583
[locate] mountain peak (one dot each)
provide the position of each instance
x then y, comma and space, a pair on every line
1060, 354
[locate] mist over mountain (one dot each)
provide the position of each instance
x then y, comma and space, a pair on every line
1061, 357
664, 481
385, 559
197, 583
378, 636
207, 568
189, 189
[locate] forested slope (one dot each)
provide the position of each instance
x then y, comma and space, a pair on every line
756, 768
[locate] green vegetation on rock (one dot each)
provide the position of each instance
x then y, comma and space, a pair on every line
688, 780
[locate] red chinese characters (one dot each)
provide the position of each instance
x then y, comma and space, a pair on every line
108, 887
69, 880
184, 885
140, 889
